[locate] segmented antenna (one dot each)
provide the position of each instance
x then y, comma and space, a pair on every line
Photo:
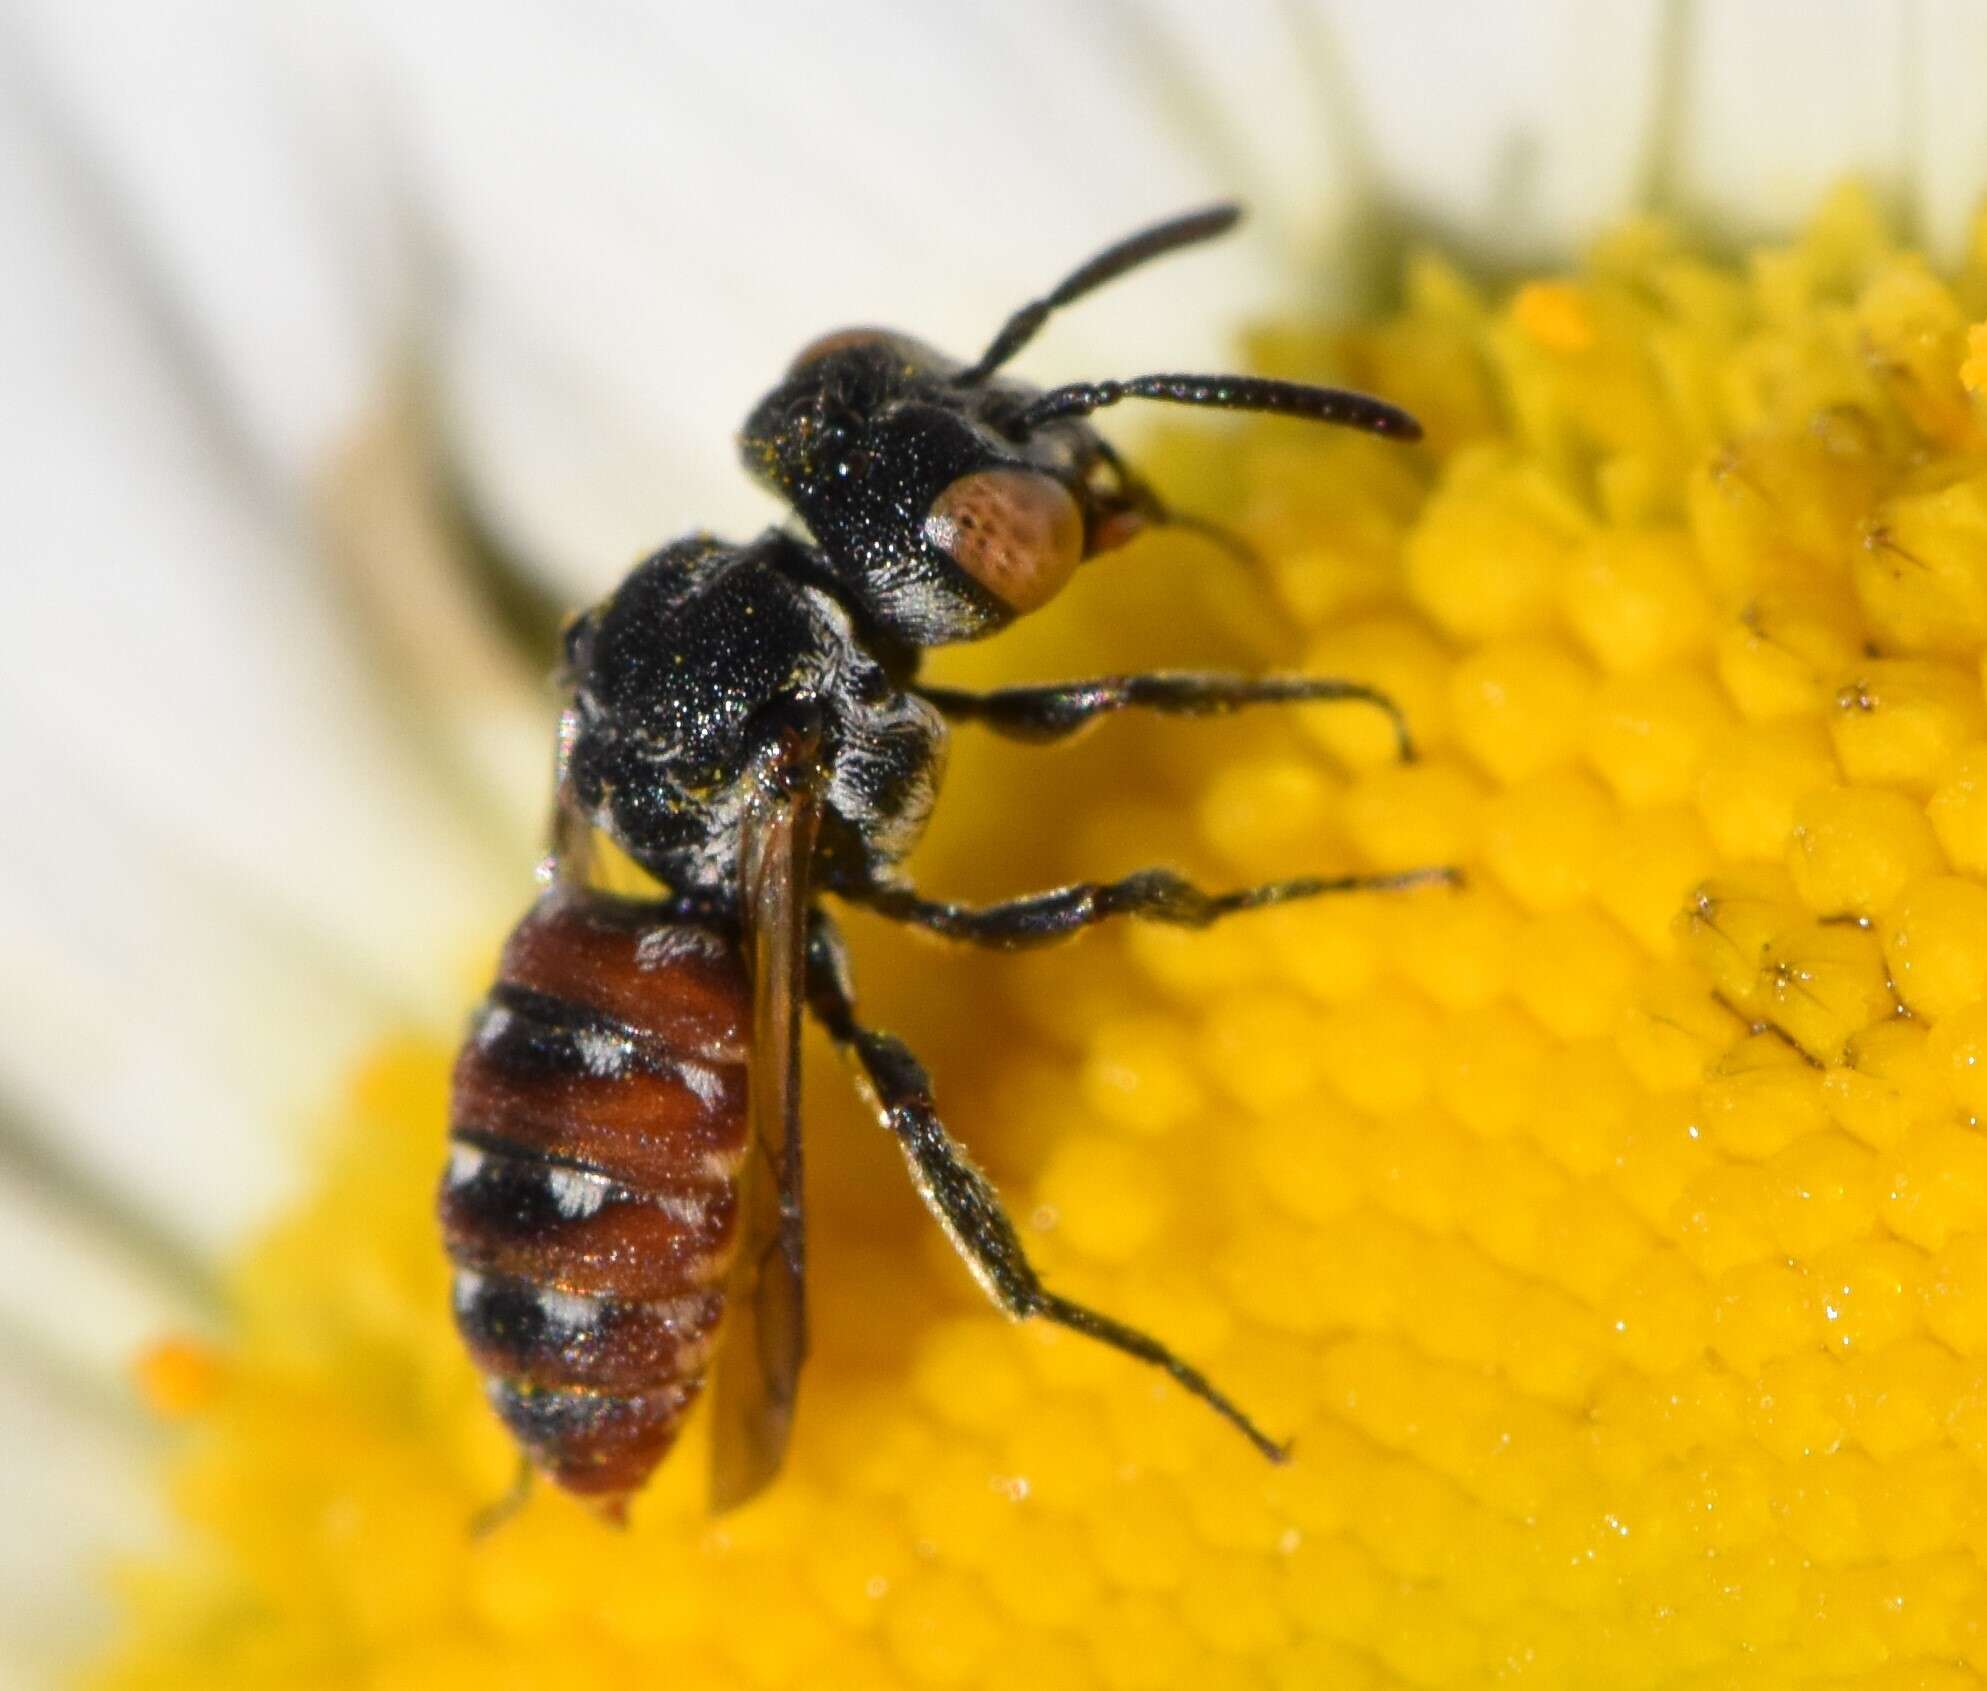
1226, 393
1184, 231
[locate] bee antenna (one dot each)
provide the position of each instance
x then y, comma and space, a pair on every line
1226, 393
1187, 230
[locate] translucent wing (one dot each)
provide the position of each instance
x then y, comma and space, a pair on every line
758, 1371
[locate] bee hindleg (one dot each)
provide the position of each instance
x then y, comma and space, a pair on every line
1152, 895
1055, 710
496, 1513
963, 1199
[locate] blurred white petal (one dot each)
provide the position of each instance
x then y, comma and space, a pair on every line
1517, 131
1838, 93
1945, 158
77, 1478
250, 189
225, 861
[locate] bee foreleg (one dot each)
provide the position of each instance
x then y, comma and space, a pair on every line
569, 836
963, 1199
1056, 710
1142, 499
1152, 895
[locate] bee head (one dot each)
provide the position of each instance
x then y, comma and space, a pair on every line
944, 514
946, 499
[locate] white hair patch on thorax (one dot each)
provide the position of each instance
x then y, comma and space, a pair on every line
660, 947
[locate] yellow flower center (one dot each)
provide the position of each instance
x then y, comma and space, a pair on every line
1610, 1237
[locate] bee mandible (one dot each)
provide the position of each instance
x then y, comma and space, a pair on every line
746, 723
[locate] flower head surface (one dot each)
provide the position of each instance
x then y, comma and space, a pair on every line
1610, 1236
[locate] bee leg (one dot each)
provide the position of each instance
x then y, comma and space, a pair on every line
1059, 709
1152, 895
569, 851
1141, 500
962, 1198
495, 1514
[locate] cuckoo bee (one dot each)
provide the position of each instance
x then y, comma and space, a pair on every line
746, 722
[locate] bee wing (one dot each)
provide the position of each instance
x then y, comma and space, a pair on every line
758, 1372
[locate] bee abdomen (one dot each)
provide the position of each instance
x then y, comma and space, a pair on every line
590, 1201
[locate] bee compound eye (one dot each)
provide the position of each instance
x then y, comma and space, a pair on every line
1018, 533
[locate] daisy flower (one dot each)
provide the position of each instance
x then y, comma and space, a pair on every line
1611, 1237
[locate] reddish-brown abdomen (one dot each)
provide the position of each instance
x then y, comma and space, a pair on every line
597, 1125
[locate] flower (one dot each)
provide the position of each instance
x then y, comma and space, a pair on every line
1608, 1235
277, 866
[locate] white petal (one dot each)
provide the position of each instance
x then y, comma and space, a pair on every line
76, 1478
1946, 120
1517, 131
225, 858
1782, 98
237, 155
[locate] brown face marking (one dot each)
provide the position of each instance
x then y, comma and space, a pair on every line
1018, 533
839, 340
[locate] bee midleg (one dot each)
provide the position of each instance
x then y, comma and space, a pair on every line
1056, 710
962, 1198
1152, 895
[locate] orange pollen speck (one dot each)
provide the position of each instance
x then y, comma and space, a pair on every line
1973, 370
178, 1377
1556, 315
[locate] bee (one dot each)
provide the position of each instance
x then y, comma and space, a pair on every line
746, 723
